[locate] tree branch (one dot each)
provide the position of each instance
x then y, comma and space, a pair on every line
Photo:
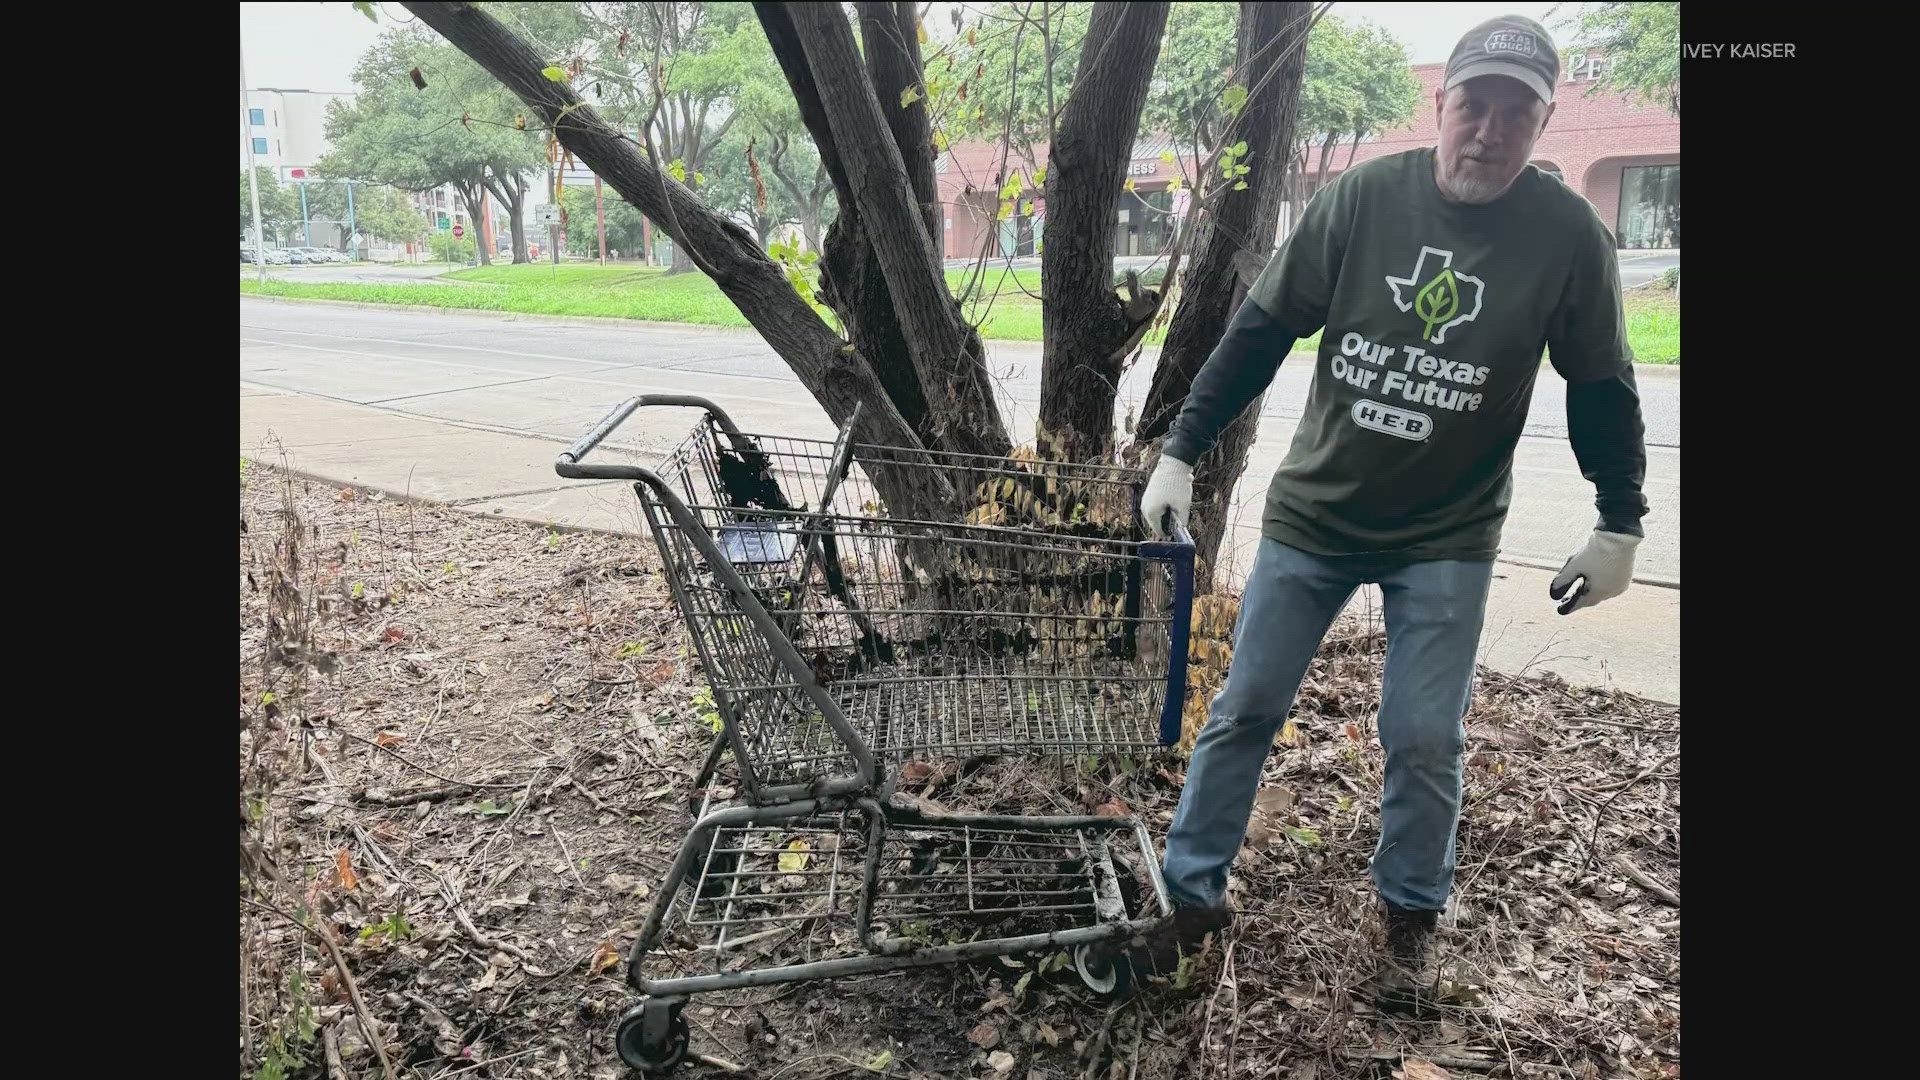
944, 351
837, 375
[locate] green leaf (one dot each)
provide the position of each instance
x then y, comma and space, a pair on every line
678, 170
1234, 99
1005, 209
1176, 183
1166, 156
1240, 186
910, 95
554, 74
359, 589
367, 10
1239, 148
1240, 170
1020, 986
699, 178
1302, 835
488, 809
880, 1061
266, 698
1437, 301
1040, 176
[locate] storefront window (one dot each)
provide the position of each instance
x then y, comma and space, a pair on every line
1145, 224
1650, 206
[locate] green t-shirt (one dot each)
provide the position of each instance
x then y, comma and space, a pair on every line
1435, 315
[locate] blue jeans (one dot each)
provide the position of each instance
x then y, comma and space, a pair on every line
1434, 612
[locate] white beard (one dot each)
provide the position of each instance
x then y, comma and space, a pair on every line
1460, 187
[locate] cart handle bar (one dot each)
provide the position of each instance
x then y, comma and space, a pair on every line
568, 463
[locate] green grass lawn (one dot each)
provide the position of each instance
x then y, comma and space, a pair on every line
999, 302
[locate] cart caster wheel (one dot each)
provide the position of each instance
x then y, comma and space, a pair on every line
1103, 969
653, 1038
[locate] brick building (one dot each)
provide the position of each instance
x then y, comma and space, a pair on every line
1622, 156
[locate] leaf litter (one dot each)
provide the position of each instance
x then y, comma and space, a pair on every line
473, 936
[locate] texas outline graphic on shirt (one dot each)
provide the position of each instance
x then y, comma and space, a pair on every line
1436, 299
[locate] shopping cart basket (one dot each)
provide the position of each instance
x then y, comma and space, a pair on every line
842, 641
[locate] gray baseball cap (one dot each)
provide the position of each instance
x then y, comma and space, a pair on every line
1511, 45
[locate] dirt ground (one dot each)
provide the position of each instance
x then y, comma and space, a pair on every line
466, 751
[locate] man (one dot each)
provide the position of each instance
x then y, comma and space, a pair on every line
1438, 275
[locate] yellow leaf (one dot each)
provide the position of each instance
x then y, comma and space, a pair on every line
921, 29
1128, 186
880, 1061
939, 141
604, 957
343, 870
1290, 734
795, 860
910, 95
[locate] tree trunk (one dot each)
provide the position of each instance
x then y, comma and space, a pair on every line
1229, 254
890, 32
853, 279
512, 193
518, 222
836, 373
469, 192
1085, 325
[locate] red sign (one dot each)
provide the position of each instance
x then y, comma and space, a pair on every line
297, 174
457, 231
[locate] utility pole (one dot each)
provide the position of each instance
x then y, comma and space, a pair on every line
253, 183
600, 214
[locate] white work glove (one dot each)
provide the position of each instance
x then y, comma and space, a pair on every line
1170, 488
1604, 567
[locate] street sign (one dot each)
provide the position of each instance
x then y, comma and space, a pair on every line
443, 221
457, 232
548, 214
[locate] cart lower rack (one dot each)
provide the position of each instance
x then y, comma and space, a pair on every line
1003, 606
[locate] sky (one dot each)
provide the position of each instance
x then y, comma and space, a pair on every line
314, 46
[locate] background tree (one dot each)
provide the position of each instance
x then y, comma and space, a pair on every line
907, 354
277, 208
1357, 84
458, 129
672, 70
387, 213
1641, 44
625, 226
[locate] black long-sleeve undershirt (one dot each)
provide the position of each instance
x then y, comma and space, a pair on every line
1609, 442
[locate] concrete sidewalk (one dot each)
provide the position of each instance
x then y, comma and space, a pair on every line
1630, 643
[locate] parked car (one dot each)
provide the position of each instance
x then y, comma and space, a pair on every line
249, 255
278, 257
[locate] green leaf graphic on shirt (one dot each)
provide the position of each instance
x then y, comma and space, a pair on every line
1438, 301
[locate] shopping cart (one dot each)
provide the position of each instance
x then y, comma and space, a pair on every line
842, 642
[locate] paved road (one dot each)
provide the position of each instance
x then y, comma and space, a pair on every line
543, 382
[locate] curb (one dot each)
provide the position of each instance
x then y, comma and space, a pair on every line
471, 506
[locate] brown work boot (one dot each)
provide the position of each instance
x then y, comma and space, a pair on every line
1408, 976
1181, 933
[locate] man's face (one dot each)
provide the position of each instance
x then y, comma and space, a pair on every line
1488, 127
